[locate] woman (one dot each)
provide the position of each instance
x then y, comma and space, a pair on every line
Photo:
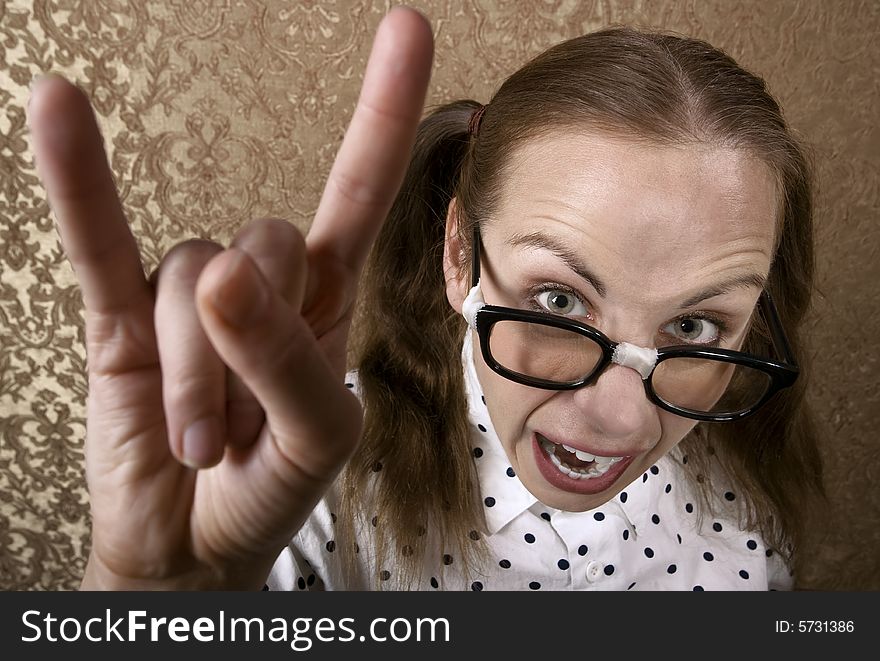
621, 195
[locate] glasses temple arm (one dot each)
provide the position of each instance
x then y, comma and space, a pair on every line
777, 332
475, 257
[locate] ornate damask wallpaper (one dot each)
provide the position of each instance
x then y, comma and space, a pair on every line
216, 112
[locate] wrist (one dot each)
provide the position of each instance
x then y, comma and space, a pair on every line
98, 576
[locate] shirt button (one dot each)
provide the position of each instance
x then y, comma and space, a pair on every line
594, 571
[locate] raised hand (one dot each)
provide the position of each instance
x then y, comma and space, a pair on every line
243, 347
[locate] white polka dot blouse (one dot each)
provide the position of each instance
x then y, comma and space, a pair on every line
648, 537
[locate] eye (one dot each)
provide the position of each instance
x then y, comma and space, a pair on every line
694, 330
561, 302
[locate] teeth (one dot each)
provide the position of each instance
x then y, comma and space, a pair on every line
599, 467
583, 456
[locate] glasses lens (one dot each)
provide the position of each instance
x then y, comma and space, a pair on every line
710, 386
543, 352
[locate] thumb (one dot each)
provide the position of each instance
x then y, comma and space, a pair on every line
314, 420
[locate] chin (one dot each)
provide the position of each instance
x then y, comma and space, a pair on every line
565, 500
570, 502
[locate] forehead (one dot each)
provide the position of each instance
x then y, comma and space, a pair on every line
643, 207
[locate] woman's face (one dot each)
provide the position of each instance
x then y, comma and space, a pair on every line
619, 235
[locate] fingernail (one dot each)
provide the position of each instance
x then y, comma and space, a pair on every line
36, 81
241, 297
38, 77
201, 441
54, 133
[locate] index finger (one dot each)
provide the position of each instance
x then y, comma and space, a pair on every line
73, 166
375, 152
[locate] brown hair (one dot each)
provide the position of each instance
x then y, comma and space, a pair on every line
649, 86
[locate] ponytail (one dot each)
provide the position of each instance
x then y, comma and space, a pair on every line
414, 467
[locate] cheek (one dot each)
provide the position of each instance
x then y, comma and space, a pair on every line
675, 428
509, 403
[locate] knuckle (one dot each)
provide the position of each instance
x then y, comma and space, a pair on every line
279, 249
279, 353
389, 114
324, 447
273, 233
188, 258
188, 388
358, 190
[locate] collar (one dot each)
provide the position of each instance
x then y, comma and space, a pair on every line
498, 482
509, 498
637, 501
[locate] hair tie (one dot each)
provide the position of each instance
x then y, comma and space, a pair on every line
476, 118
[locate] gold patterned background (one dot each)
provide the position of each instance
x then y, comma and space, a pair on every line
216, 112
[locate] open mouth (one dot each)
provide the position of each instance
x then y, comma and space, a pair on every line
576, 463
576, 471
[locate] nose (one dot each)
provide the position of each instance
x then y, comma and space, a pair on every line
617, 408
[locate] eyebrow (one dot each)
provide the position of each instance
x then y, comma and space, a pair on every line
744, 281
544, 241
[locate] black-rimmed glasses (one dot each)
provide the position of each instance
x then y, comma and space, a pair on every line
549, 351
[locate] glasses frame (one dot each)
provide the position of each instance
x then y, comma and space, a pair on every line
782, 373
